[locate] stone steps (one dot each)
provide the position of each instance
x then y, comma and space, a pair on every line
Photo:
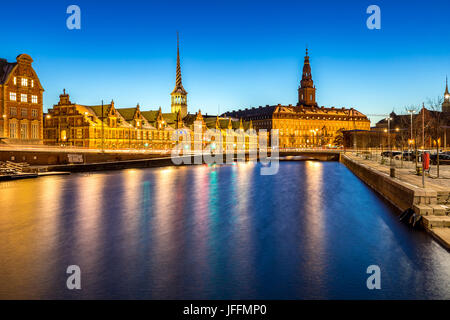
443, 197
436, 221
432, 209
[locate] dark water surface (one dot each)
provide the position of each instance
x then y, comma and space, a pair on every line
202, 232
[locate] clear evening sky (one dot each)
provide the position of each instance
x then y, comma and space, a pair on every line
234, 54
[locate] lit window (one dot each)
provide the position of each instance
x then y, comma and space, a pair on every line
23, 98
12, 96
24, 82
13, 111
23, 131
12, 130
32, 83
35, 131
34, 99
15, 80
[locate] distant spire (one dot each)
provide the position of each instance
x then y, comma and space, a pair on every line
306, 81
446, 85
178, 83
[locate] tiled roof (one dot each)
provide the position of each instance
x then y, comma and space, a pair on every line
150, 115
170, 118
269, 111
98, 110
5, 69
127, 113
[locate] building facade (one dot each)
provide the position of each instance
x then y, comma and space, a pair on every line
305, 124
108, 127
21, 103
111, 128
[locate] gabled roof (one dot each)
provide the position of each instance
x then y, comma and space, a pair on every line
98, 110
150, 115
170, 118
5, 70
127, 113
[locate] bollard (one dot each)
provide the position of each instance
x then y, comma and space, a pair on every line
392, 172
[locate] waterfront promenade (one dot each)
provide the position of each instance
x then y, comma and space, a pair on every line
432, 202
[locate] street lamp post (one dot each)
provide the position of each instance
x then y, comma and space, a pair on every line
423, 144
389, 140
103, 132
411, 112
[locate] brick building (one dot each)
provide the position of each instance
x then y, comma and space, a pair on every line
109, 127
21, 104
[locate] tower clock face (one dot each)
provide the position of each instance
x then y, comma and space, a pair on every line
447, 96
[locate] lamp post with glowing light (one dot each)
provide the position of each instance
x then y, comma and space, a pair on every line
446, 98
411, 112
103, 132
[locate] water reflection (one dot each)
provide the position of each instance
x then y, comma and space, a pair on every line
314, 215
243, 233
208, 232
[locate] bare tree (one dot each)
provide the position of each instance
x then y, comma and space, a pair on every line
435, 121
339, 138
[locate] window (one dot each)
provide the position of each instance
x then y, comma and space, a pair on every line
34, 99
23, 98
24, 82
13, 111
34, 113
32, 83
12, 96
15, 80
13, 130
24, 112
23, 131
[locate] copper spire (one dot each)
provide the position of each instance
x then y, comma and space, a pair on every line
178, 84
178, 81
306, 81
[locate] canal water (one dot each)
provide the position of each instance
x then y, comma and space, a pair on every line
212, 232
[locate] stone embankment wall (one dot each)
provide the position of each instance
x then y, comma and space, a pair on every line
401, 194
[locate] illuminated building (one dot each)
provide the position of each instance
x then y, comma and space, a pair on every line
20, 102
306, 124
109, 127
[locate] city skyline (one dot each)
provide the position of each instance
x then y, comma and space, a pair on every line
223, 71
225, 159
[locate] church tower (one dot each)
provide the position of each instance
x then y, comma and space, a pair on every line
446, 103
179, 95
306, 91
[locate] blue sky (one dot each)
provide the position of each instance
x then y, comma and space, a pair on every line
235, 54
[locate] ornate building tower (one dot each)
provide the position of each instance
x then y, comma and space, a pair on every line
306, 91
446, 103
179, 95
